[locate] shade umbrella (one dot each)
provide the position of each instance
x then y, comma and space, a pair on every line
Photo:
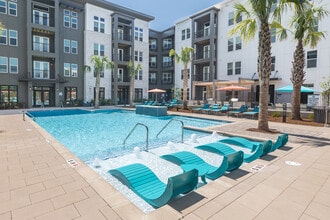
156, 90
232, 88
290, 89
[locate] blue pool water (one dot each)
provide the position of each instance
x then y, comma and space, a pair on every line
101, 133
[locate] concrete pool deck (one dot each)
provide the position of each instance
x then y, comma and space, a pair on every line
41, 179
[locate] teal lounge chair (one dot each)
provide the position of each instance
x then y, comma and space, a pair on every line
239, 111
280, 142
266, 146
234, 158
225, 108
252, 113
205, 106
141, 180
187, 160
208, 110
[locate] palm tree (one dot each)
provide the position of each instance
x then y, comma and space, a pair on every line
304, 22
1, 26
258, 15
99, 63
185, 58
132, 71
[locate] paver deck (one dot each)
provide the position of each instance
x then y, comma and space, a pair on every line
37, 182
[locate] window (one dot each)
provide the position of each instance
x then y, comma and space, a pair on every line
273, 64
70, 19
40, 43
3, 37
140, 56
41, 70
66, 46
136, 55
101, 93
316, 24
138, 94
99, 24
188, 33
12, 8
167, 78
8, 93
101, 73
41, 17
183, 34
74, 70
273, 35
238, 68
13, 65
206, 51
167, 61
167, 44
74, 47
3, 6
153, 62
230, 44
3, 65
152, 78
138, 75
99, 49
312, 59
120, 75
182, 73
229, 69
66, 18
153, 44
230, 18
207, 29
238, 44
206, 73
138, 34
67, 69
70, 93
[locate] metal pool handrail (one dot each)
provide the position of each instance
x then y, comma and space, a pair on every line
29, 114
147, 138
182, 128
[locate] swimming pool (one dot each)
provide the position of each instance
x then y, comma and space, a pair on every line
101, 133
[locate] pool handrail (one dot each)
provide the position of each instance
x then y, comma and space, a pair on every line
182, 128
29, 114
147, 138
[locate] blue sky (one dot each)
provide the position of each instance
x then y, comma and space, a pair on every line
167, 12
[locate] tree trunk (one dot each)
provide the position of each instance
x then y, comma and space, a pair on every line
185, 87
131, 91
97, 89
297, 79
264, 68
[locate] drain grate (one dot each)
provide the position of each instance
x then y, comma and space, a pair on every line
258, 167
72, 163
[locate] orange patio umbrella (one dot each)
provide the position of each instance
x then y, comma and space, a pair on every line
156, 90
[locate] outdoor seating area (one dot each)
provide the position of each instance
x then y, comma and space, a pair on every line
234, 151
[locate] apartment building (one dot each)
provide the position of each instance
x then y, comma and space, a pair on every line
46, 44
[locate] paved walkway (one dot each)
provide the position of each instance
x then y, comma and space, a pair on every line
41, 179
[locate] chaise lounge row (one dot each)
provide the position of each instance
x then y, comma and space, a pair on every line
144, 182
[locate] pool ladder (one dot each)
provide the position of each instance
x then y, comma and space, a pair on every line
147, 137
182, 128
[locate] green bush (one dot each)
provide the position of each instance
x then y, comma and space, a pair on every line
311, 116
276, 114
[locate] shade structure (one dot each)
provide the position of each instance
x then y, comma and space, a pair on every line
290, 89
232, 88
156, 90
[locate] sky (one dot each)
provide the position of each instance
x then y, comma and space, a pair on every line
166, 12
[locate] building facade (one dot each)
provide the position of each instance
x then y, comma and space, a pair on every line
46, 44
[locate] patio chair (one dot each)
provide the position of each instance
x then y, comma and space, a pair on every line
142, 181
282, 139
199, 109
187, 161
208, 110
252, 113
265, 146
235, 158
224, 109
239, 111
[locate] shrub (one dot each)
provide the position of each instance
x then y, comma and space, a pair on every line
311, 116
276, 114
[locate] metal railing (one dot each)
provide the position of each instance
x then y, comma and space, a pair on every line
182, 128
147, 137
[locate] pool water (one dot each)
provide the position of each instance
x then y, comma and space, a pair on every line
101, 133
